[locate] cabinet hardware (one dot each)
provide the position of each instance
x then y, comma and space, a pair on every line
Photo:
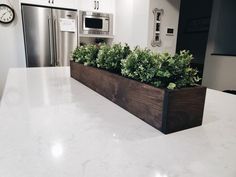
97, 5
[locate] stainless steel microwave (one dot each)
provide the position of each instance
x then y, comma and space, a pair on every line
96, 23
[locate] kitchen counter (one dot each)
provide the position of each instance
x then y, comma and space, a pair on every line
53, 126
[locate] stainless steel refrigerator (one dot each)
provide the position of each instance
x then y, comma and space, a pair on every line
50, 35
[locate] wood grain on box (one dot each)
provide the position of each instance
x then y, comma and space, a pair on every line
167, 111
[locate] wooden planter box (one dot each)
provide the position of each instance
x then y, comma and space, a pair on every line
167, 110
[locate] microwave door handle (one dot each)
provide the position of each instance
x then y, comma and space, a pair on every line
95, 5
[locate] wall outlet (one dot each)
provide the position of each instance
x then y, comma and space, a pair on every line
170, 32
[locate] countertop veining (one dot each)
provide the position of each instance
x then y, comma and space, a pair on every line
53, 126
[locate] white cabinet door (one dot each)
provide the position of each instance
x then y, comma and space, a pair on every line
70, 4
38, 2
106, 6
87, 5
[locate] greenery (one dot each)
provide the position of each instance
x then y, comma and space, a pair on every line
175, 71
86, 55
158, 69
139, 65
109, 57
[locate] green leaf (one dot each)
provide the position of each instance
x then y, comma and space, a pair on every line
158, 69
171, 86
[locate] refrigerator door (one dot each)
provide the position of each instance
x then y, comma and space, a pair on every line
65, 26
37, 24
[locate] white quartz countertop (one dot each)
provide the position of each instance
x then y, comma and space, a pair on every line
53, 126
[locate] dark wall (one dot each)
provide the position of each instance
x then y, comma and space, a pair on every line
194, 27
225, 38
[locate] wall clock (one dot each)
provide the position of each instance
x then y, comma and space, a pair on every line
7, 14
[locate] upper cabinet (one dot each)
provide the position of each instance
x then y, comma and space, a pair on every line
36, 2
87, 5
106, 6
71, 4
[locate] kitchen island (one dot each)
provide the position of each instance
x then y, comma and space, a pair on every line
53, 126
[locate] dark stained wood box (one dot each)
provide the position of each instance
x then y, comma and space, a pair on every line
166, 110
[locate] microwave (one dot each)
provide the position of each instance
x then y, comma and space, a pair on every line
96, 23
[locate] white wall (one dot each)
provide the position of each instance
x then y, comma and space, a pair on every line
12, 45
170, 19
219, 71
140, 23
132, 22
124, 17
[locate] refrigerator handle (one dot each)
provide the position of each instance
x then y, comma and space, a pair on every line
56, 42
50, 40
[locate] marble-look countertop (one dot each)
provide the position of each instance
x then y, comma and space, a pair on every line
53, 126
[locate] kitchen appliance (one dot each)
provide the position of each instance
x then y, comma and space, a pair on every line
50, 35
96, 23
